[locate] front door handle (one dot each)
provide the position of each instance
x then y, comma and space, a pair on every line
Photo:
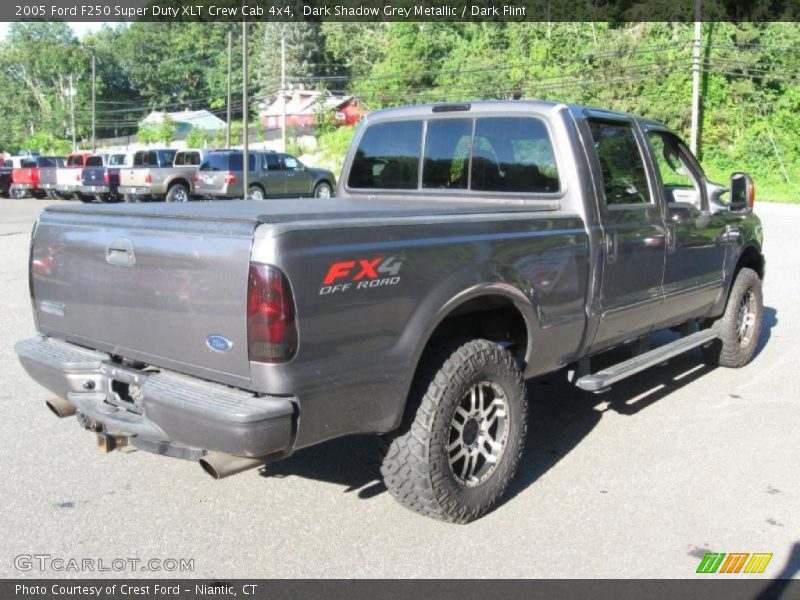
669, 233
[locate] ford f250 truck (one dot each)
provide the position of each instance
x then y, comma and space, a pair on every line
468, 247
158, 174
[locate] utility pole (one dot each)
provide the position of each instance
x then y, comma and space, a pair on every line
283, 88
72, 112
94, 105
698, 35
230, 53
245, 116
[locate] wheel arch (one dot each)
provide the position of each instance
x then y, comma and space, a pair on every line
497, 312
751, 257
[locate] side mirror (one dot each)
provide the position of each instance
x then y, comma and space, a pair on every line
743, 192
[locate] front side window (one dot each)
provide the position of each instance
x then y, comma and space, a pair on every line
680, 183
388, 157
621, 164
290, 163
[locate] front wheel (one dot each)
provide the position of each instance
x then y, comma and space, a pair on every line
454, 458
323, 190
740, 326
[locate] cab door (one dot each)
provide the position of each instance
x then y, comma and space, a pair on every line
633, 231
298, 179
273, 175
696, 239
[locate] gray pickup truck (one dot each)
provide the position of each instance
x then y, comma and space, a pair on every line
158, 174
469, 247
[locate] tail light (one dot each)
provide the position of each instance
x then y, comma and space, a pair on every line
196, 176
751, 197
106, 177
230, 178
148, 178
271, 325
78, 176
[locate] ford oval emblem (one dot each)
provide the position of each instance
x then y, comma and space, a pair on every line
219, 343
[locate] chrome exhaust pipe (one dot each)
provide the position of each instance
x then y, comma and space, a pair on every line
220, 465
60, 407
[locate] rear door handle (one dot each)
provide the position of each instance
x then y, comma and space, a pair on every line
120, 252
611, 247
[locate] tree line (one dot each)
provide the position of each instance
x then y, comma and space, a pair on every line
750, 76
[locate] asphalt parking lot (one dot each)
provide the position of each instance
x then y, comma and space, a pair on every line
640, 482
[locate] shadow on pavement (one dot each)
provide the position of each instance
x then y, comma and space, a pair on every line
561, 416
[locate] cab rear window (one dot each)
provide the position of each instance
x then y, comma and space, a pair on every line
486, 154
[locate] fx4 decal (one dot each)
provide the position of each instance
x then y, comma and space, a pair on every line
361, 274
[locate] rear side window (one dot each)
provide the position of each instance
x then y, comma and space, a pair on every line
94, 161
621, 164
139, 159
388, 157
272, 162
169, 157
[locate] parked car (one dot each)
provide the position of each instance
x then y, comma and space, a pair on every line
271, 175
5, 178
470, 246
48, 177
100, 176
9, 164
161, 174
25, 179
68, 177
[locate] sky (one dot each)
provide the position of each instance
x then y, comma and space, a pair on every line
78, 28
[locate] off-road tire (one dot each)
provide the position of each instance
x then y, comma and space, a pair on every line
730, 350
416, 466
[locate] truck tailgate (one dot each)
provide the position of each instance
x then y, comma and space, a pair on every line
134, 177
153, 289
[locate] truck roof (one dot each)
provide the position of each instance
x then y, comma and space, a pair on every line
489, 106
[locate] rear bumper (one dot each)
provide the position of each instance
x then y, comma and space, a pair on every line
70, 188
159, 407
95, 189
135, 190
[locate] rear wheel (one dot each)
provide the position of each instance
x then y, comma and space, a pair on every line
177, 193
740, 326
254, 192
455, 456
323, 190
